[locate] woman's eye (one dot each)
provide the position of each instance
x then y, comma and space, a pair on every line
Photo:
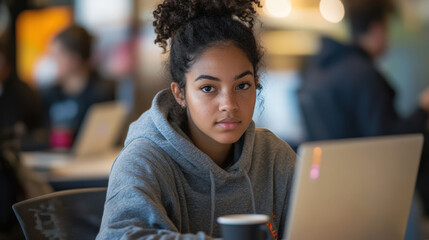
207, 89
243, 86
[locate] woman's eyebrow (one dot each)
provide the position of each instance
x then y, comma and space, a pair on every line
243, 74
208, 77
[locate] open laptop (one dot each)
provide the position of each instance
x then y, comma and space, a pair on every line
100, 129
354, 189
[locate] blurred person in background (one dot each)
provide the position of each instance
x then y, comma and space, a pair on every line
77, 87
20, 108
344, 95
20, 120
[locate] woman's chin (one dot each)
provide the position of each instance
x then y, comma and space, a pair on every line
228, 138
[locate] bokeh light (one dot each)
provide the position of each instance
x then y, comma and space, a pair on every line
332, 10
278, 8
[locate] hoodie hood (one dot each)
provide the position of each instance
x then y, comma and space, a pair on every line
162, 124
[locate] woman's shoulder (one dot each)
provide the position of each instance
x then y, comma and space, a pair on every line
143, 151
143, 159
269, 139
272, 147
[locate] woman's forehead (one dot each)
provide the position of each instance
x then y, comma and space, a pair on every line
221, 60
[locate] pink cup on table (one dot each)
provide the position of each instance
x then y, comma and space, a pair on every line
61, 138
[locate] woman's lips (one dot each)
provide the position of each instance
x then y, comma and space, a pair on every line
228, 123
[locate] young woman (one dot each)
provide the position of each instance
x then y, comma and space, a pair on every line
196, 155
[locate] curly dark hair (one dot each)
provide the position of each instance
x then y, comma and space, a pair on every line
192, 26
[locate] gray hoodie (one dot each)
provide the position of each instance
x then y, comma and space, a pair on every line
163, 187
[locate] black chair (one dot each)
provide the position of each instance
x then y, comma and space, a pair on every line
70, 214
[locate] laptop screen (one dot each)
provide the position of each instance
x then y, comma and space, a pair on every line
354, 189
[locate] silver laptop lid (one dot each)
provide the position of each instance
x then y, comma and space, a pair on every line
102, 124
354, 189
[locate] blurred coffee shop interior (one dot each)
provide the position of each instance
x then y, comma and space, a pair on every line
124, 54
289, 30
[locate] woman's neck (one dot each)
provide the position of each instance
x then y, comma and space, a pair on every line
217, 152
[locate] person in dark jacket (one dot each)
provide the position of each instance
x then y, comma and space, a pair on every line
343, 94
20, 122
20, 107
19, 104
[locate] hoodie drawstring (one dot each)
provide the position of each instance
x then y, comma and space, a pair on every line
213, 202
213, 197
249, 184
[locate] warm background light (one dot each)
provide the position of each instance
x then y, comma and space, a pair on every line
278, 8
34, 31
332, 10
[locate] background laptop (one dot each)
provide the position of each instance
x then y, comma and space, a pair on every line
99, 131
354, 189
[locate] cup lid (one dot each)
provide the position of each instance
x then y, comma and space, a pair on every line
243, 219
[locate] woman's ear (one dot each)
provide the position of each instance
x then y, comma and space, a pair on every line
178, 94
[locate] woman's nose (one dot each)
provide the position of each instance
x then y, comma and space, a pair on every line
228, 102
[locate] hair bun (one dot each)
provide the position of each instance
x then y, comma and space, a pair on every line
172, 14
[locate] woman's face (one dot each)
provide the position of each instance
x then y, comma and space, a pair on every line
220, 95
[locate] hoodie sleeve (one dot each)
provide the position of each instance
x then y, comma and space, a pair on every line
135, 207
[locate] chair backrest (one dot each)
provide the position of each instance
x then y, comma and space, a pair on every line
70, 214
